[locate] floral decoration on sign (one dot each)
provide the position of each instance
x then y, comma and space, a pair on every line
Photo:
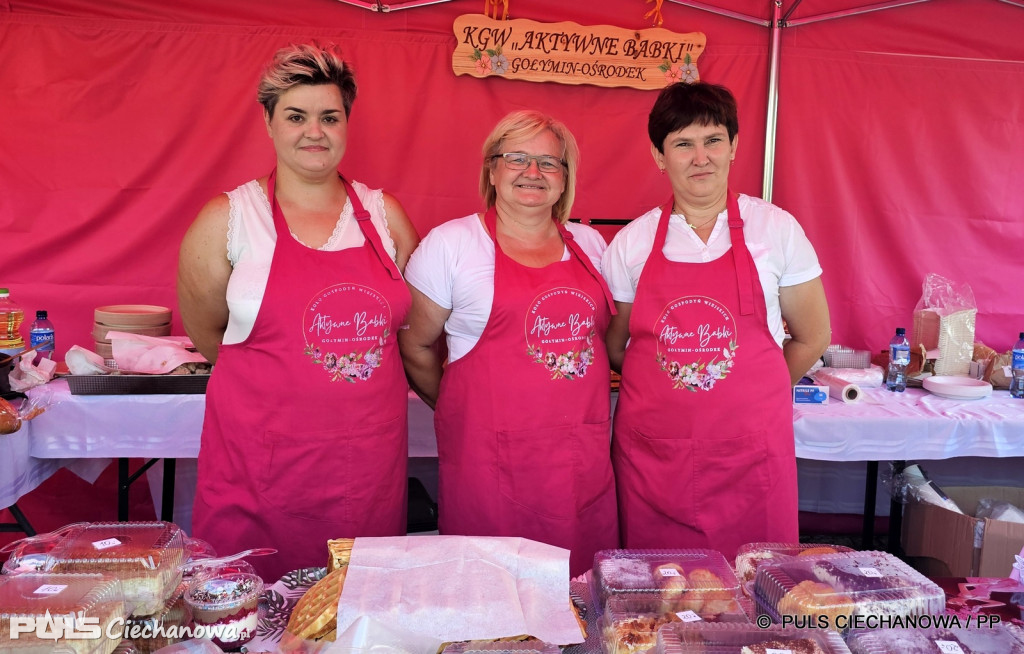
698, 376
490, 61
685, 72
351, 367
565, 366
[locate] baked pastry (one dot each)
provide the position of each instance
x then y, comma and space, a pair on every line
816, 598
634, 633
816, 551
315, 616
796, 646
339, 552
9, 420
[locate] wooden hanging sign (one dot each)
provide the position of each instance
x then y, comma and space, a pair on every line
569, 53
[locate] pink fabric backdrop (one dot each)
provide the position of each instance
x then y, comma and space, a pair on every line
900, 138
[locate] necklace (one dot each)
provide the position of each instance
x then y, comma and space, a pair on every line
691, 225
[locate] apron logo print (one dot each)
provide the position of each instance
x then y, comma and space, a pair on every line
560, 330
347, 317
695, 326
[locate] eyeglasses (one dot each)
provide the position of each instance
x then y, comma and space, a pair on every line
521, 161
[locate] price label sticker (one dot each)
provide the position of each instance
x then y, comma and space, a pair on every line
689, 616
1007, 371
106, 544
778, 651
870, 572
669, 572
49, 589
949, 647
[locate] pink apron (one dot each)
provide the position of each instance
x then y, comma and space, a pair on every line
522, 419
305, 436
703, 447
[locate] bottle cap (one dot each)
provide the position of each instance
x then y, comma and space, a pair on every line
1021, 334
41, 315
901, 331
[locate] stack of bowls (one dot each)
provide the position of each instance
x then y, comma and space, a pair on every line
144, 319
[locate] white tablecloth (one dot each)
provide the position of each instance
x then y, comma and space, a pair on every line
84, 430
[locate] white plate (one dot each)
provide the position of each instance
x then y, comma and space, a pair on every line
957, 388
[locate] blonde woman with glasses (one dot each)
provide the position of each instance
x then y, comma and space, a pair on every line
522, 406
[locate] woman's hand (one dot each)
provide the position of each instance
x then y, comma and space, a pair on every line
418, 343
805, 310
203, 272
618, 335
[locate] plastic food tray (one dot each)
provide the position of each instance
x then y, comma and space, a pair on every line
996, 639
137, 384
730, 638
630, 622
682, 575
145, 556
35, 595
832, 589
752, 555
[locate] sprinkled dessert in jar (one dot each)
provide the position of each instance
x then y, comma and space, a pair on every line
225, 605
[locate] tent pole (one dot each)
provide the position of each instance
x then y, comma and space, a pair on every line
773, 101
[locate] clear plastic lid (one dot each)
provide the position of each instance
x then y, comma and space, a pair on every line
67, 597
630, 622
146, 556
840, 586
732, 638
997, 639
668, 574
506, 647
751, 555
29, 554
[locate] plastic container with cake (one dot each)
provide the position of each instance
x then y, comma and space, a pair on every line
224, 602
68, 598
630, 622
168, 626
145, 556
997, 639
746, 639
752, 555
839, 591
679, 577
30, 554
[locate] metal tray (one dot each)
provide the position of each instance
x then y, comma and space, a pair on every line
137, 384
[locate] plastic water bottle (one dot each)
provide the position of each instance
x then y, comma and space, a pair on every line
42, 331
1017, 368
899, 358
11, 317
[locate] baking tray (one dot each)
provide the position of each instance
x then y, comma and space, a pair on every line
137, 384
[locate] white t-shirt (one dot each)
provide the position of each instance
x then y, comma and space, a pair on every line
251, 241
454, 267
782, 254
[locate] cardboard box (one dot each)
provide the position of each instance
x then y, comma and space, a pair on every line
943, 543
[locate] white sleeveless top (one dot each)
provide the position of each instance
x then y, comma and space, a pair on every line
251, 241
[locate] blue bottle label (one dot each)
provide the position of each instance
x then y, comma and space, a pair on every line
899, 354
1018, 359
37, 337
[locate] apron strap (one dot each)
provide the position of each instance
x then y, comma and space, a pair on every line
740, 256
362, 219
575, 248
491, 222
369, 231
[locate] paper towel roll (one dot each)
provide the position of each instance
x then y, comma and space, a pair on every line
839, 388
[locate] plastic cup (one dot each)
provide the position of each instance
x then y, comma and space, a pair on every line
225, 606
